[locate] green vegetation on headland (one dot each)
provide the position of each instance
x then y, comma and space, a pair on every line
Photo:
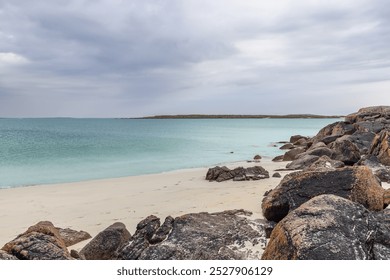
198, 116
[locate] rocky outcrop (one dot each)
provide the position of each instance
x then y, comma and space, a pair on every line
293, 154
106, 244
224, 235
369, 114
287, 146
141, 239
319, 151
355, 183
72, 237
324, 163
381, 147
329, 227
383, 174
5, 256
386, 198
345, 151
278, 158
363, 133
296, 138
40, 242
220, 174
334, 131
302, 162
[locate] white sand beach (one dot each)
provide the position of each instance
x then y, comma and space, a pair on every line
94, 205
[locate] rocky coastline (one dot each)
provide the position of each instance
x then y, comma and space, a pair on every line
331, 206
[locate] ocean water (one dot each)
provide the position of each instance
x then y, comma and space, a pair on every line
41, 151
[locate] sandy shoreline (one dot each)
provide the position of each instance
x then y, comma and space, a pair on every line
94, 205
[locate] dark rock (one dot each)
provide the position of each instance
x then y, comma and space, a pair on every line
287, 146
268, 227
317, 145
381, 147
256, 173
239, 178
345, 151
362, 140
141, 239
324, 163
355, 183
257, 157
334, 129
278, 158
302, 162
267, 192
220, 174
293, 154
277, 175
329, 227
74, 254
372, 126
370, 161
163, 231
386, 198
380, 170
106, 244
295, 138
321, 151
329, 139
72, 237
369, 114
383, 174
303, 142
217, 236
5, 256
40, 242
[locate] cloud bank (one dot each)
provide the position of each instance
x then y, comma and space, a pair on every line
127, 58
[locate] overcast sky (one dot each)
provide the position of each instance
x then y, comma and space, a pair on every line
126, 58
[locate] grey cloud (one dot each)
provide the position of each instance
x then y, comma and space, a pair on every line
133, 58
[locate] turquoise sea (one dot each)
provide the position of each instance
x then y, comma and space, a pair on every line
40, 151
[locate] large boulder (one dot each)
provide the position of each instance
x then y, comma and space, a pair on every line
293, 154
287, 146
355, 183
369, 114
319, 151
334, 130
372, 126
345, 151
325, 163
40, 242
329, 227
5, 256
225, 235
220, 174
362, 140
72, 237
302, 162
296, 138
142, 238
106, 244
381, 147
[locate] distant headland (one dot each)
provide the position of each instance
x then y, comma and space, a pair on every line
199, 116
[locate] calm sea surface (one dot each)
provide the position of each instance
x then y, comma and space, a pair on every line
39, 151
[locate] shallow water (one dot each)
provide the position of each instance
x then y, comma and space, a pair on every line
40, 151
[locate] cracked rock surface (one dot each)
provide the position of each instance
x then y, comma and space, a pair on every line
329, 227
